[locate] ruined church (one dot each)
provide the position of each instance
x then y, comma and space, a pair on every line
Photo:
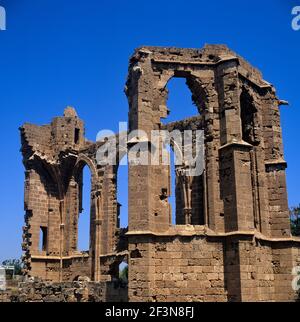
231, 240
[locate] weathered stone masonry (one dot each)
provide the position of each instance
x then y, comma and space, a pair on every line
232, 239
54, 157
77, 291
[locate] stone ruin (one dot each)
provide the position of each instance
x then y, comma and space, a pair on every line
231, 240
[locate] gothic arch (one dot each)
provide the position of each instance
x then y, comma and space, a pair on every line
197, 87
83, 160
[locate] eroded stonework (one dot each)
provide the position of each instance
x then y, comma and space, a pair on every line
232, 239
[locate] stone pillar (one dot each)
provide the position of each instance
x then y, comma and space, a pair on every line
236, 187
275, 166
96, 240
229, 98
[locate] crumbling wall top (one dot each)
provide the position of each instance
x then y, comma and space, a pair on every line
208, 55
70, 112
64, 133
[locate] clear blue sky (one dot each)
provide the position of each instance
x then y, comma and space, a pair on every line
62, 52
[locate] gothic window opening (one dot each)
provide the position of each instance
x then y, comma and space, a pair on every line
180, 103
43, 238
123, 272
77, 136
122, 193
85, 210
189, 197
248, 111
186, 197
186, 191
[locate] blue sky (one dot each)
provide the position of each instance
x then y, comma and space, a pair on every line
56, 53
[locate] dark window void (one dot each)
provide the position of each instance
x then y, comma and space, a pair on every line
248, 112
43, 238
77, 136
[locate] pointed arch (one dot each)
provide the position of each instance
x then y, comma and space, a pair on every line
197, 90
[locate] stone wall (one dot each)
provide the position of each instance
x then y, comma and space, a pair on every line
178, 269
201, 266
54, 157
80, 291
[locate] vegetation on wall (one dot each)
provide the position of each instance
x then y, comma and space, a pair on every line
16, 263
295, 220
124, 274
